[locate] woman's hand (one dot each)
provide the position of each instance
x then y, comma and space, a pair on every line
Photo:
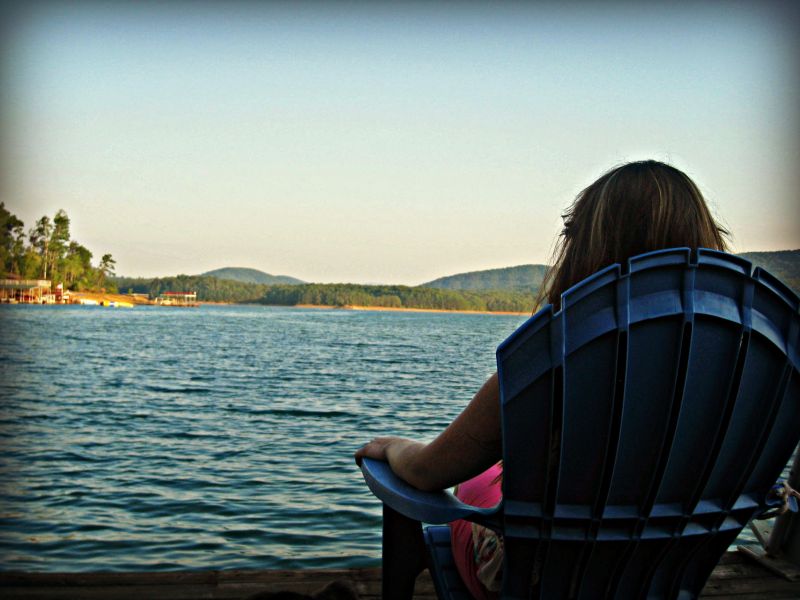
379, 447
404, 456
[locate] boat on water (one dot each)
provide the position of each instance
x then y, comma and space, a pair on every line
116, 303
105, 302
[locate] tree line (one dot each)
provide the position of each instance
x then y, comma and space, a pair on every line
208, 288
213, 289
398, 296
46, 251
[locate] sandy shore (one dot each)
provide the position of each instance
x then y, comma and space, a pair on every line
425, 310
107, 297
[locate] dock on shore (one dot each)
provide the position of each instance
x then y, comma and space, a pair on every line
734, 578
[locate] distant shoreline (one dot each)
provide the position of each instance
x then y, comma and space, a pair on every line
404, 309
128, 300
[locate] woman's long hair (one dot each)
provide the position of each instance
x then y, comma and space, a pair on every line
635, 208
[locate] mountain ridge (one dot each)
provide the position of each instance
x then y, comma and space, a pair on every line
248, 275
520, 277
784, 264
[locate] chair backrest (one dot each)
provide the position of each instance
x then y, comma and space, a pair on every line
644, 424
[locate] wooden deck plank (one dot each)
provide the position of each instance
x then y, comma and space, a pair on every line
759, 596
733, 579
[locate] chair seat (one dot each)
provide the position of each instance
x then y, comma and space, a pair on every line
446, 580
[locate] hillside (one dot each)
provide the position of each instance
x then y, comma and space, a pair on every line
520, 278
246, 275
784, 264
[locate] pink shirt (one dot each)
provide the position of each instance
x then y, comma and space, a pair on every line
482, 491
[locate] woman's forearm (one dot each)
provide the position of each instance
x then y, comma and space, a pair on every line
405, 458
468, 446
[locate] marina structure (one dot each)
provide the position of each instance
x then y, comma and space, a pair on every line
177, 299
26, 291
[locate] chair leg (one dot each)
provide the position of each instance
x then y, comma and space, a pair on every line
403, 555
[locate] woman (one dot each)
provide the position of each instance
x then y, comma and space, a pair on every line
632, 209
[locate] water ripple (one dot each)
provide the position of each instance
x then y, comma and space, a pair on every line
221, 437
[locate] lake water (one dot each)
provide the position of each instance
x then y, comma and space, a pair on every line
217, 437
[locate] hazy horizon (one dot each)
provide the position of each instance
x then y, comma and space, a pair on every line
385, 143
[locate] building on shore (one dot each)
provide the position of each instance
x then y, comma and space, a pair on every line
26, 291
177, 299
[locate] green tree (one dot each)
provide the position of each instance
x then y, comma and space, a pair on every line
50, 253
11, 244
39, 238
107, 265
78, 267
58, 245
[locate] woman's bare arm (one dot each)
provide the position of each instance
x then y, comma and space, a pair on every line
470, 445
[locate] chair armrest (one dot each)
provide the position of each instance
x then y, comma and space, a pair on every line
426, 507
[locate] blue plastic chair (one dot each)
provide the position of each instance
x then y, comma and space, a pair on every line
644, 425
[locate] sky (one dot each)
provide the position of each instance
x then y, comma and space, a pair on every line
385, 143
